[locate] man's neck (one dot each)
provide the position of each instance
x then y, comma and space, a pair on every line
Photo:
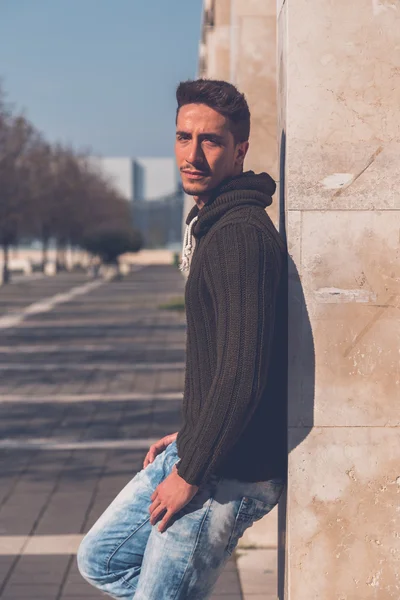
200, 200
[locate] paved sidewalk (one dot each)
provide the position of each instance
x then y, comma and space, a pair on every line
258, 573
84, 389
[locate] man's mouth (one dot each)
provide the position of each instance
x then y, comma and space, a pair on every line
194, 174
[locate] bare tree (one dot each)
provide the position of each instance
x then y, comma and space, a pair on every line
41, 181
16, 133
53, 194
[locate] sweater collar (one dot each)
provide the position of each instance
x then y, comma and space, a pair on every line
247, 189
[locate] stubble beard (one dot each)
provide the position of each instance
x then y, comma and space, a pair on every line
197, 190
192, 191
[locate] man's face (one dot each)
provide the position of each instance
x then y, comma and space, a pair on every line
205, 149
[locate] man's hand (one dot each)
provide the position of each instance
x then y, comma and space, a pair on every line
158, 447
170, 496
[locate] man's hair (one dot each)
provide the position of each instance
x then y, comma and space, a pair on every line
223, 97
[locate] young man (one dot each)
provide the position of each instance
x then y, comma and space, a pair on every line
170, 531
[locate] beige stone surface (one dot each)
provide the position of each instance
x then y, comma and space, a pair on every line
294, 220
344, 518
281, 77
263, 533
279, 6
222, 12
217, 52
240, 47
254, 72
352, 176
349, 264
343, 71
339, 92
255, 8
256, 76
343, 68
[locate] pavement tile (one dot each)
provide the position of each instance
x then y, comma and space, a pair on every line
37, 570
228, 584
31, 590
5, 565
64, 492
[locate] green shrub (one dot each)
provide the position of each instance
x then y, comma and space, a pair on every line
109, 242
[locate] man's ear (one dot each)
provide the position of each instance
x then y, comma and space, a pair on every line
241, 152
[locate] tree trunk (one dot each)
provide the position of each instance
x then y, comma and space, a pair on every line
45, 247
60, 256
6, 272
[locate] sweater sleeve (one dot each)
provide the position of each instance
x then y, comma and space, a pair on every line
242, 268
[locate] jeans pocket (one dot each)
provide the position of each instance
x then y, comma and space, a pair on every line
250, 510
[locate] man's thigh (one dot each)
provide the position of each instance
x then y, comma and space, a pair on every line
186, 560
178, 556
118, 539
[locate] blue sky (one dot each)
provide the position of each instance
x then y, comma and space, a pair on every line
100, 74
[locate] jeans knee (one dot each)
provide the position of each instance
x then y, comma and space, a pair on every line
89, 560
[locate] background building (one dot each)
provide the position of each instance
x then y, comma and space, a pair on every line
119, 171
154, 178
152, 186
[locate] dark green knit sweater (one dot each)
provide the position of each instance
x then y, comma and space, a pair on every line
234, 417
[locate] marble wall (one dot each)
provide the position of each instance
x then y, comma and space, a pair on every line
239, 45
339, 98
254, 72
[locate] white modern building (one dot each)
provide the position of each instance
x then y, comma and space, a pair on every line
118, 171
154, 178
141, 178
152, 186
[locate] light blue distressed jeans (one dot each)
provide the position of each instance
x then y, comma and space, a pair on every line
126, 557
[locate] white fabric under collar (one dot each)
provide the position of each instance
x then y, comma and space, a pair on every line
187, 246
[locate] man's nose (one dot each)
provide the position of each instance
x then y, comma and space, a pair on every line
195, 154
